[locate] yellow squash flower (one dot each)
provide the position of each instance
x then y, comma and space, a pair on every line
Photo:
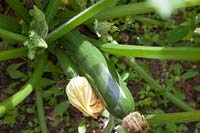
81, 95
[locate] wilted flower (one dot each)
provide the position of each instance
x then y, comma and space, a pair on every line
81, 96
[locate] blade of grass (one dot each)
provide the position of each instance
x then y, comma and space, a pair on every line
152, 52
12, 53
40, 110
79, 19
19, 96
137, 8
11, 35
9, 23
131, 62
19, 9
173, 117
51, 10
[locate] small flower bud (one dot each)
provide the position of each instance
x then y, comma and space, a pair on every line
81, 95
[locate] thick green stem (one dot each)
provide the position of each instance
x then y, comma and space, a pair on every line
78, 19
173, 117
179, 103
19, 96
153, 52
40, 110
12, 53
137, 8
11, 35
17, 6
51, 10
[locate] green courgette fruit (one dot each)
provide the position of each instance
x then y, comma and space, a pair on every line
92, 64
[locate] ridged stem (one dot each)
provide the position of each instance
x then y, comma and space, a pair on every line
11, 35
173, 117
12, 53
153, 52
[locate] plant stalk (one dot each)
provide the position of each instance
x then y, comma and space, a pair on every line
11, 35
173, 117
153, 52
40, 110
12, 53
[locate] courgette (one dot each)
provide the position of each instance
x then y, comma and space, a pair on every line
92, 64
85, 100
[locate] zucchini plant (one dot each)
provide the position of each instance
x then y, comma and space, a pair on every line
47, 30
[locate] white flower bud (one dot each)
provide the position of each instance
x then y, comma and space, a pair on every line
81, 96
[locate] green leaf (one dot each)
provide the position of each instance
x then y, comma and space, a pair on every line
44, 82
14, 73
53, 91
30, 110
82, 127
177, 33
103, 30
12, 85
50, 67
39, 24
10, 119
179, 94
37, 33
28, 131
188, 75
61, 108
